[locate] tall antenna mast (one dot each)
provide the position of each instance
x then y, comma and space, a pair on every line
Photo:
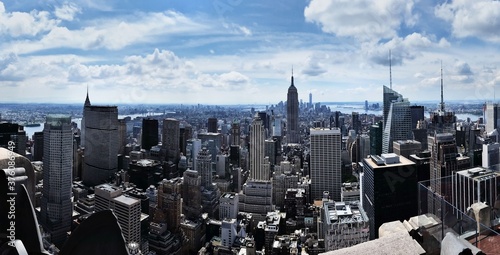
442, 100
390, 69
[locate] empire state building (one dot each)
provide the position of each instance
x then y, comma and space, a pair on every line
292, 114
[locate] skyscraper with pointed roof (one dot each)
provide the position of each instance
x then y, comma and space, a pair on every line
292, 114
397, 119
82, 124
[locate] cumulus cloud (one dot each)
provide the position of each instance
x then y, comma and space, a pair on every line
362, 19
159, 71
17, 24
406, 48
472, 18
462, 72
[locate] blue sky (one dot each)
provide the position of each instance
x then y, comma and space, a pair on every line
242, 52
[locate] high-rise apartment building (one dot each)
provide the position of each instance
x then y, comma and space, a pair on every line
56, 206
149, 136
170, 139
101, 144
292, 114
325, 163
397, 119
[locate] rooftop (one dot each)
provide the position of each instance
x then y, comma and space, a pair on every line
126, 200
344, 212
402, 162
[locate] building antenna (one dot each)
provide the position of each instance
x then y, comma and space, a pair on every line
390, 69
442, 100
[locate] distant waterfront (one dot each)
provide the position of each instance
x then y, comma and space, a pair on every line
31, 130
343, 108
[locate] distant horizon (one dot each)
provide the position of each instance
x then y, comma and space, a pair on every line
262, 104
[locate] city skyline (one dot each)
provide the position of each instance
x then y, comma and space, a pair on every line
234, 52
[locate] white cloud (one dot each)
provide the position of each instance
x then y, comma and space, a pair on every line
67, 11
158, 73
407, 48
314, 65
109, 33
362, 19
17, 24
238, 29
472, 18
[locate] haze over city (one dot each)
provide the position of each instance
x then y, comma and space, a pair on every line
232, 52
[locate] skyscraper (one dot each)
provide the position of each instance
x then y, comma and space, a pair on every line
257, 138
15, 133
443, 160
169, 204
292, 114
310, 100
212, 125
492, 116
417, 113
149, 137
56, 206
356, 123
38, 146
397, 119
185, 133
191, 207
127, 210
82, 123
101, 144
170, 139
389, 190
204, 167
325, 163
235, 133
376, 131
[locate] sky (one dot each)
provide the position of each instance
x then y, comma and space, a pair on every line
243, 52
